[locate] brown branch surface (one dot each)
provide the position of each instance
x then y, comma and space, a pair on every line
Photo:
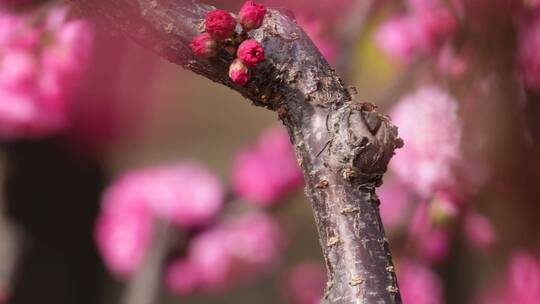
343, 147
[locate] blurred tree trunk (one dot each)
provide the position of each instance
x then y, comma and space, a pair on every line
52, 196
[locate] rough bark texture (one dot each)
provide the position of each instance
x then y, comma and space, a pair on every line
343, 147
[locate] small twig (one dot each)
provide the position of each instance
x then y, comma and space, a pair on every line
145, 286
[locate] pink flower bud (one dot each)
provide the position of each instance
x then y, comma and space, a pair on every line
220, 24
251, 15
251, 52
239, 72
204, 46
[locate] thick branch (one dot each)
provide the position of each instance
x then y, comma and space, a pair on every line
343, 147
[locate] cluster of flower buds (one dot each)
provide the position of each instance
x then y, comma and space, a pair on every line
221, 33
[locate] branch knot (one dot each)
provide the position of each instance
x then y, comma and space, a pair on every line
362, 143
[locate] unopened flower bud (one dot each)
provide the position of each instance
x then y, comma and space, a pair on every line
239, 72
251, 52
204, 46
220, 24
251, 15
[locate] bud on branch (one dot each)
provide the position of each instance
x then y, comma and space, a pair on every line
343, 147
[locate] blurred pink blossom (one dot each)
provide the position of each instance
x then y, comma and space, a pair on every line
429, 124
314, 29
529, 48
14, 3
105, 109
123, 238
421, 31
394, 37
433, 27
524, 279
521, 284
40, 63
479, 231
418, 284
423, 5
481, 11
209, 255
228, 253
451, 64
396, 203
443, 208
182, 277
326, 10
305, 283
265, 173
183, 194
534, 5
432, 242
186, 194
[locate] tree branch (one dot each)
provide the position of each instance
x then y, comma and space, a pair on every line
343, 147
144, 287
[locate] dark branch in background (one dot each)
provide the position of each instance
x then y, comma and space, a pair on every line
311, 100
52, 197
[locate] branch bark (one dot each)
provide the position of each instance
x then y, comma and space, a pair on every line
343, 147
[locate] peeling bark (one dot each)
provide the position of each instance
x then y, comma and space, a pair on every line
343, 147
